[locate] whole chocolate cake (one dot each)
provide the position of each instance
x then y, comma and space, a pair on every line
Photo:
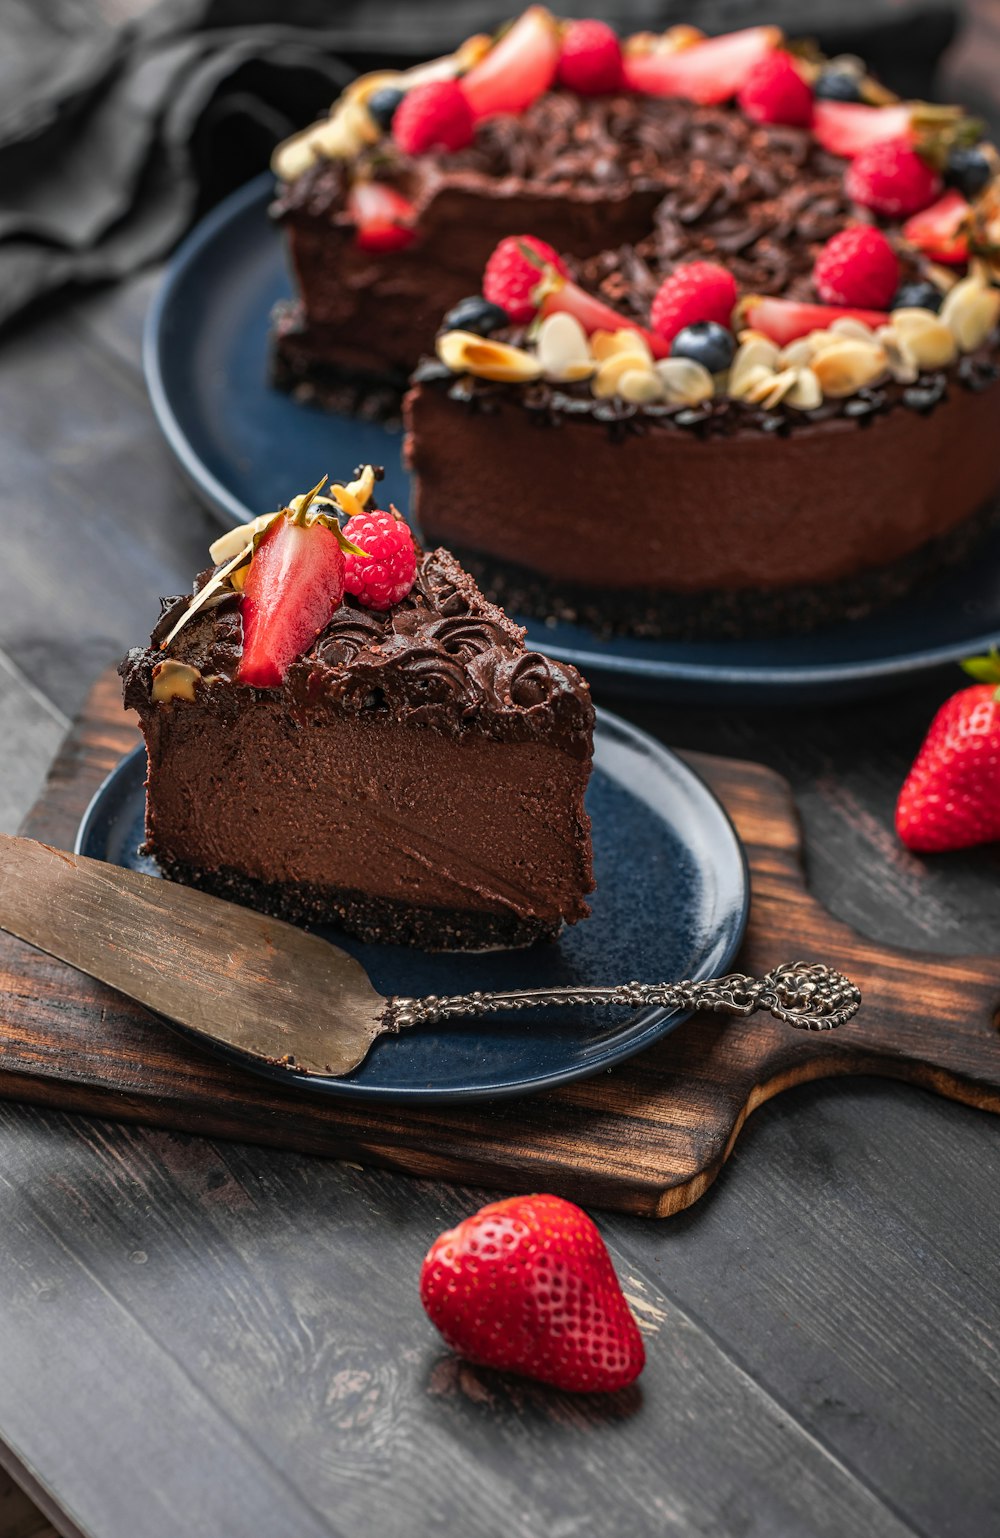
735, 289
388, 758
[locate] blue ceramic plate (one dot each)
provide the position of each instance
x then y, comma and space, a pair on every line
671, 902
245, 447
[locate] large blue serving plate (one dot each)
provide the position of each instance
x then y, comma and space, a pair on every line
671, 902
246, 448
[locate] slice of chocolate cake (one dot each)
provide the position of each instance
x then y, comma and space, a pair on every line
391, 760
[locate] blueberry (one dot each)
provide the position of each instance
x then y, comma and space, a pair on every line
476, 314
382, 105
838, 85
705, 342
918, 296
968, 169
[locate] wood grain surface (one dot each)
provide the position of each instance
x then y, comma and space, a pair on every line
199, 1336
648, 1137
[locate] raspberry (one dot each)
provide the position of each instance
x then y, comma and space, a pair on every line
891, 179
775, 92
857, 267
385, 573
511, 275
697, 291
591, 59
433, 116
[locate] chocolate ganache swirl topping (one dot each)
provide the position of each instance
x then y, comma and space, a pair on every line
444, 658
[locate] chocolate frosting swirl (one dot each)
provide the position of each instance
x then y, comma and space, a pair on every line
442, 658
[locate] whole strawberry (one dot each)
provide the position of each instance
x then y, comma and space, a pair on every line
527, 1285
951, 796
514, 271
775, 92
891, 179
384, 574
857, 267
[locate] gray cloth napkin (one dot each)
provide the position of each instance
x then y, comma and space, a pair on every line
113, 140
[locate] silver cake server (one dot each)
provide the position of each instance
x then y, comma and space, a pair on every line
283, 997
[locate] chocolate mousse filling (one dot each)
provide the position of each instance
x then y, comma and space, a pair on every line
418, 778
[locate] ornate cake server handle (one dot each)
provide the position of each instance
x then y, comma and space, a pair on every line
809, 996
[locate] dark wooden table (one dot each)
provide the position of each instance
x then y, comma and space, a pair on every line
198, 1337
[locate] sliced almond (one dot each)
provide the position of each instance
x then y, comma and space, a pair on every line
796, 354
971, 311
641, 385
295, 155
756, 352
605, 381
605, 344
562, 348
902, 364
685, 383
910, 319
465, 353
748, 381
846, 325
173, 681
227, 545
848, 366
806, 393
781, 384
932, 346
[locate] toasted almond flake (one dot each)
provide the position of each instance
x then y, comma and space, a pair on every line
908, 320
902, 364
805, 394
748, 380
846, 325
363, 488
677, 38
685, 383
970, 311
780, 386
756, 352
848, 366
227, 545
640, 385
932, 346
605, 381
562, 349
295, 155
173, 680
465, 353
606, 344
796, 354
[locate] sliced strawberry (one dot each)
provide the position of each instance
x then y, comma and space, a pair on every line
295, 582
846, 128
517, 69
384, 220
708, 72
594, 315
940, 231
783, 320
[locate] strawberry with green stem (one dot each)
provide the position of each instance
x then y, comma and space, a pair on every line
951, 796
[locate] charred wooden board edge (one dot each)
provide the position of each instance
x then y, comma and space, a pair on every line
729, 1074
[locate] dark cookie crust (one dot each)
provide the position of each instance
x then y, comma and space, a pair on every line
375, 920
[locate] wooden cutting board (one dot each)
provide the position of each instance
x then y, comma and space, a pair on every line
648, 1137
